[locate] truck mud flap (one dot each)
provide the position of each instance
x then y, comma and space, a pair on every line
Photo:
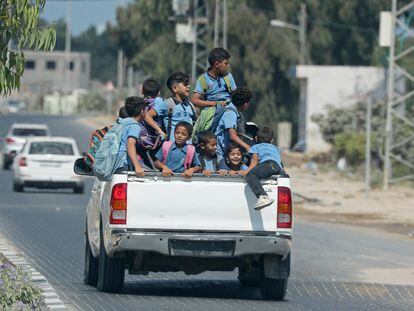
276, 268
201, 248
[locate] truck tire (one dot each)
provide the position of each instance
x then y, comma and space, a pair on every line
17, 187
273, 289
249, 276
90, 272
6, 163
111, 271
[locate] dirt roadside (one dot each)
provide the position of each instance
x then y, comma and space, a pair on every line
332, 197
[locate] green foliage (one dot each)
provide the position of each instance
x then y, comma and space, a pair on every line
19, 29
17, 291
350, 145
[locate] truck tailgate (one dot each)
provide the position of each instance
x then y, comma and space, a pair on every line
207, 204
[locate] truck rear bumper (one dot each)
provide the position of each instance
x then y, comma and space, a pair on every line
198, 244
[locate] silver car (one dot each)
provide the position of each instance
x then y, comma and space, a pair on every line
16, 138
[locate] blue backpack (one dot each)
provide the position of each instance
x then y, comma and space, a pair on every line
107, 158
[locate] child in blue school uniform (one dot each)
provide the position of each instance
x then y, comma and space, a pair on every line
233, 162
214, 87
207, 155
265, 162
175, 109
178, 156
228, 126
135, 108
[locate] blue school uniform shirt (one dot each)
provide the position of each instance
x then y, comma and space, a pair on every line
157, 101
209, 163
216, 88
266, 152
223, 166
227, 121
182, 112
133, 131
176, 158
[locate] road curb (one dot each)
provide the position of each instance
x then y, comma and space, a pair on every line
17, 258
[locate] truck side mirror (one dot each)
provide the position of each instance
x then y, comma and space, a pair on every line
80, 168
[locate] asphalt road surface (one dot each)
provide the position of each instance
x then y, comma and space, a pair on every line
334, 267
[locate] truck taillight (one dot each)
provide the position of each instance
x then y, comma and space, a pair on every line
22, 161
284, 208
118, 211
10, 140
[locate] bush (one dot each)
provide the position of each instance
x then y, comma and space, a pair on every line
350, 145
17, 291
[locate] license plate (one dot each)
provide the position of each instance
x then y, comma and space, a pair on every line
50, 165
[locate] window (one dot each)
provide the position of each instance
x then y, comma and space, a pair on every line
58, 148
30, 64
29, 132
71, 66
50, 65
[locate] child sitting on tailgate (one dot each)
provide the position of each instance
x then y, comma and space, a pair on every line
265, 162
176, 156
233, 162
206, 153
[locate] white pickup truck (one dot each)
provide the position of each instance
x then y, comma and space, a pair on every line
162, 224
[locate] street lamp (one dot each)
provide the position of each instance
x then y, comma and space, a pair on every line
301, 29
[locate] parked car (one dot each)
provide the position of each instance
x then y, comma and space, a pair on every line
47, 162
16, 138
161, 224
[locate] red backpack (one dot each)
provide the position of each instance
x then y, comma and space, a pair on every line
166, 147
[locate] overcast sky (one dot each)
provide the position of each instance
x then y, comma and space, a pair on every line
84, 12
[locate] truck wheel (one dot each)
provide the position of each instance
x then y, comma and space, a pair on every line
273, 289
111, 271
6, 163
90, 272
249, 276
17, 187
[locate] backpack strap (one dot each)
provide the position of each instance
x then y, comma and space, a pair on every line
166, 147
216, 165
170, 109
227, 83
189, 156
202, 161
195, 115
203, 83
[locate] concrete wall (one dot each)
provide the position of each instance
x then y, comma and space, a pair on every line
341, 86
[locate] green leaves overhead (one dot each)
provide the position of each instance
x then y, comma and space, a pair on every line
19, 29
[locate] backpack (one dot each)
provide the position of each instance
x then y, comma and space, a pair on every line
166, 147
96, 138
148, 139
107, 158
207, 114
171, 105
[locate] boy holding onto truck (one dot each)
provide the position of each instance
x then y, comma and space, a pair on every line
213, 89
175, 109
176, 156
265, 162
227, 125
207, 153
136, 108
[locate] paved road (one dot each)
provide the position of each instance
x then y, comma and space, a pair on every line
334, 267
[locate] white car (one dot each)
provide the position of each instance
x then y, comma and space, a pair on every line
16, 138
47, 162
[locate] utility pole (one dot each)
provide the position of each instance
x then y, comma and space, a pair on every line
200, 29
399, 91
302, 34
120, 76
225, 25
216, 23
68, 36
368, 147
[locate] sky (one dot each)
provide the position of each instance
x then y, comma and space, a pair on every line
84, 12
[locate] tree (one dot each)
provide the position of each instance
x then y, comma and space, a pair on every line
19, 29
